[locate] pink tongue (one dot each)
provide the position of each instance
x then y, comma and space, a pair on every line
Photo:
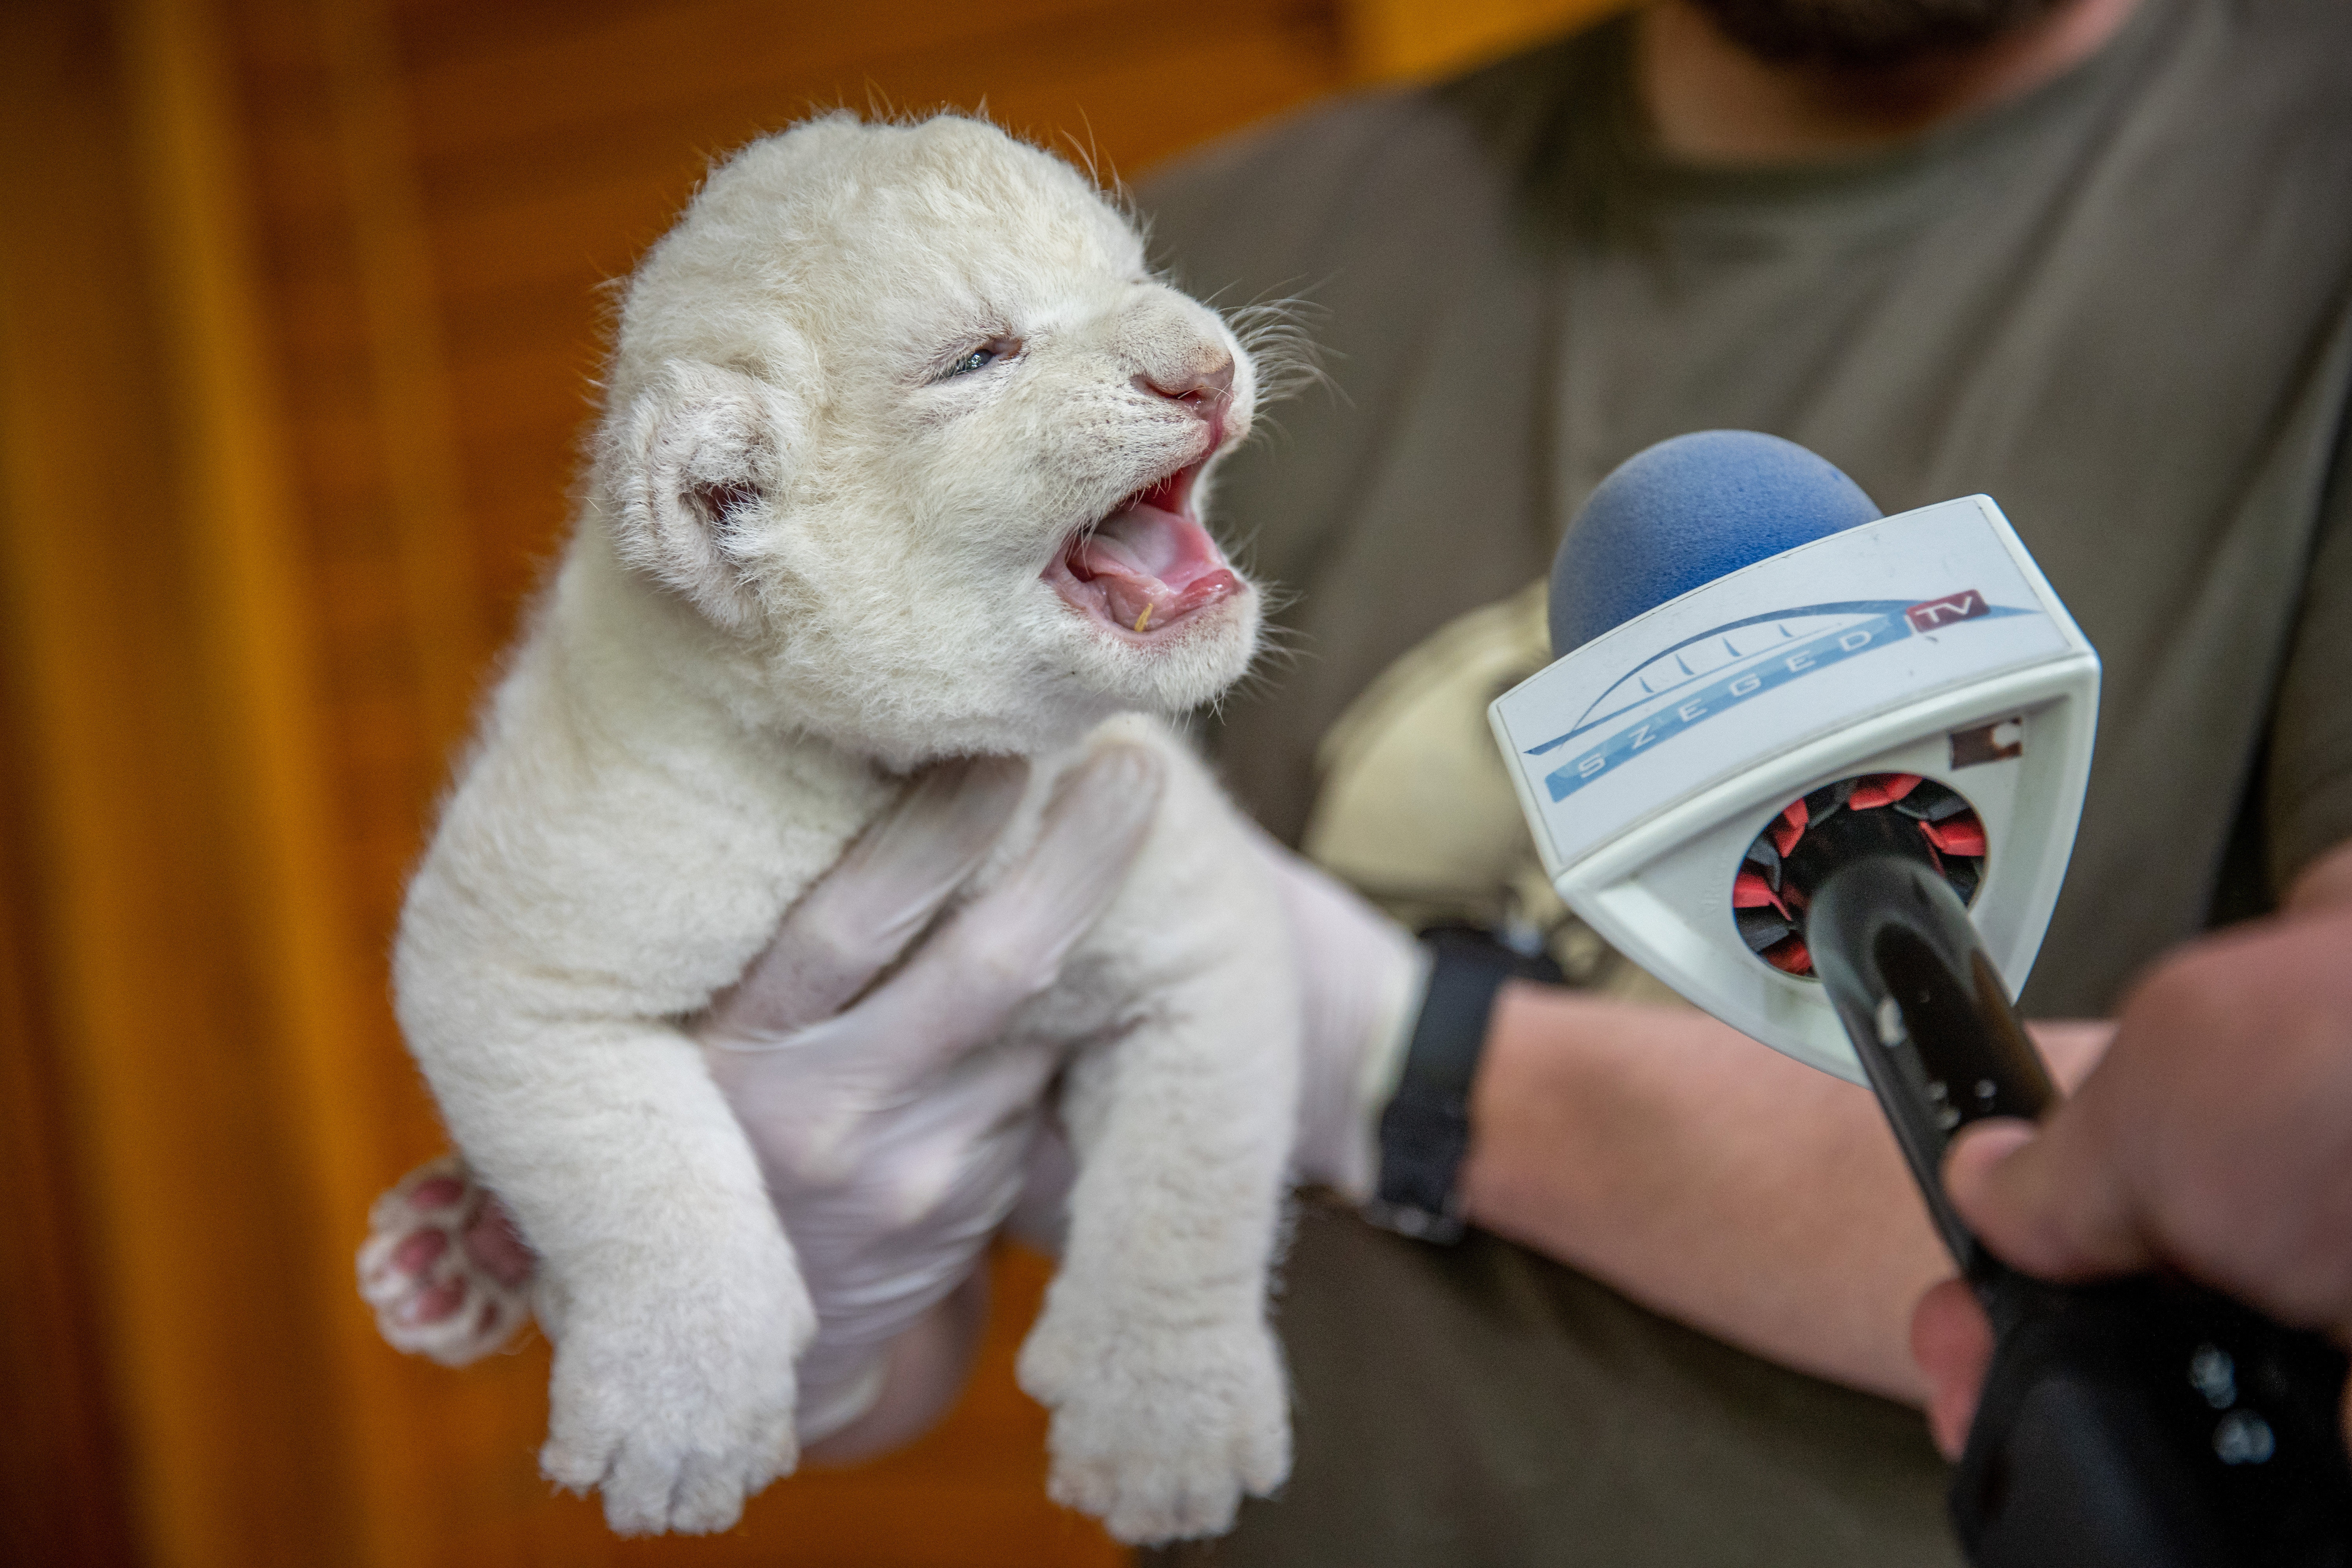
1146, 559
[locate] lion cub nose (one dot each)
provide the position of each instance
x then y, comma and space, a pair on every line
1205, 386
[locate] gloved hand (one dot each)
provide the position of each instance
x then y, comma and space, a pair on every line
895, 1132
893, 1125
1361, 979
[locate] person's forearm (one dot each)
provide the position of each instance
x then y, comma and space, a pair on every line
1711, 1178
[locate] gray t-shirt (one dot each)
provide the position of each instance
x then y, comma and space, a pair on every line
2121, 305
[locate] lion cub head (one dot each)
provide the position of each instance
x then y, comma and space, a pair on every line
901, 413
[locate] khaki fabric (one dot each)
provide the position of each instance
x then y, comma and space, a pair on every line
1413, 806
2122, 306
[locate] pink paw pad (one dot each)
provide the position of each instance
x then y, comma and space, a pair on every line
443, 1267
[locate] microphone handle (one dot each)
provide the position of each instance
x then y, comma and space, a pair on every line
2138, 1422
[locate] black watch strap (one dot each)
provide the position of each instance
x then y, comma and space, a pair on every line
1425, 1130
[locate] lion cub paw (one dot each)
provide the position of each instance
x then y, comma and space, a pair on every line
676, 1416
443, 1267
1159, 1432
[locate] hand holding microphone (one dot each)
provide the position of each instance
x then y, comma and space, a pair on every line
2215, 1138
1819, 770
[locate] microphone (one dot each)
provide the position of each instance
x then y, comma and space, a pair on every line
1743, 649
1820, 770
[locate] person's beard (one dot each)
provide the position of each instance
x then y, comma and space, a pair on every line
1867, 34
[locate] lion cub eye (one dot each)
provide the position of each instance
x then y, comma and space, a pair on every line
980, 358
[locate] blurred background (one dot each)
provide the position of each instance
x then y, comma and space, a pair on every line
299, 304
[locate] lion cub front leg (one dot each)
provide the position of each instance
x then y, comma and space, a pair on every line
664, 1278
665, 1282
1154, 1351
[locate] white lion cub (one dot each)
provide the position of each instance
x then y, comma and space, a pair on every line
901, 459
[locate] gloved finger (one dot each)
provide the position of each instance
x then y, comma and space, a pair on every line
916, 1221
2043, 1201
1041, 1214
977, 1114
861, 914
906, 1146
997, 952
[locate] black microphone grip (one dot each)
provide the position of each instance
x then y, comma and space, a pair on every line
2138, 1422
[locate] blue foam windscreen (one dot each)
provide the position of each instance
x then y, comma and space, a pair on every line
1684, 512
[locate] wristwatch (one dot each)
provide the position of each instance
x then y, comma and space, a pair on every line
1426, 1129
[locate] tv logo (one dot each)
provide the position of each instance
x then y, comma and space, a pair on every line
1776, 656
1935, 614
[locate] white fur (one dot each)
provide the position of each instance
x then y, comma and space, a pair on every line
807, 562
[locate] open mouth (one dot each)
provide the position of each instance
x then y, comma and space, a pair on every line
1146, 567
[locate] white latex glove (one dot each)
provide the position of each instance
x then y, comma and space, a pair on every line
893, 1126
894, 1129
1361, 977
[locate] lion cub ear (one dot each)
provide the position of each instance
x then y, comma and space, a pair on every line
698, 469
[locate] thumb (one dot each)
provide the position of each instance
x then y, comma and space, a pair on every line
2043, 1199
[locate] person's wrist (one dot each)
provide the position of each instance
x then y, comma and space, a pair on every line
1348, 1087
1361, 980
1422, 1119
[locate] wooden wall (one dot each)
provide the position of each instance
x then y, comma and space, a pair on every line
299, 300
